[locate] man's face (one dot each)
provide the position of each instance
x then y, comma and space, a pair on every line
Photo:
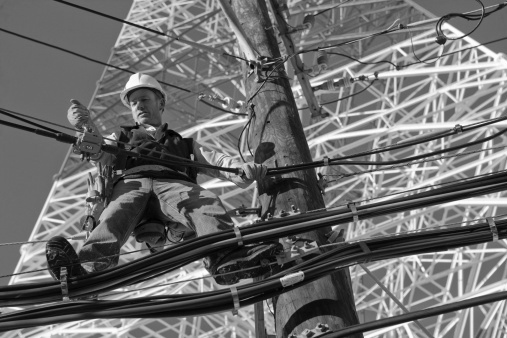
146, 107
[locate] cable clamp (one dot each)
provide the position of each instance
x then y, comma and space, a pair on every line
298, 249
353, 209
238, 236
326, 161
458, 128
494, 229
64, 285
235, 299
366, 250
88, 142
292, 278
240, 172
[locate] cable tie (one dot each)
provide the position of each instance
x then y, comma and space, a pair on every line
326, 161
458, 128
64, 285
292, 278
235, 299
366, 250
353, 209
494, 229
238, 236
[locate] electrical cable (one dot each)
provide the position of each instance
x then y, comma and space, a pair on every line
345, 97
415, 315
417, 57
331, 8
221, 109
89, 58
425, 138
271, 171
406, 161
181, 254
456, 52
351, 95
346, 254
2, 110
363, 62
469, 17
65, 138
16, 117
418, 162
154, 31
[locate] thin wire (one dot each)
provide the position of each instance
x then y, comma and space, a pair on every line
37, 119
221, 109
240, 136
325, 10
89, 58
398, 233
455, 52
362, 62
421, 188
351, 95
147, 29
413, 50
447, 17
346, 97
415, 162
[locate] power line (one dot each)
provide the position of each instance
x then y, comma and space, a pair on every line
86, 57
154, 31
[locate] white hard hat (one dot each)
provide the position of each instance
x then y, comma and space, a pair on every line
140, 80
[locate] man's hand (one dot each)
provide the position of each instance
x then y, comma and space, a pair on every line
79, 116
253, 172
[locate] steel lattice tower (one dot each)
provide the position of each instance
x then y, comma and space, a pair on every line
461, 87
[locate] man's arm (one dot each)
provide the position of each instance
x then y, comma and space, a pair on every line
251, 171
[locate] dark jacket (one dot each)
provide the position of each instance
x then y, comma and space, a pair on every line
165, 142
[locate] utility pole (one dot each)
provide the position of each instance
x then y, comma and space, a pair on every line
276, 134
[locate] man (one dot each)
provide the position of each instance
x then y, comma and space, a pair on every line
147, 192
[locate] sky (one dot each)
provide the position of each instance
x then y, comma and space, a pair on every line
39, 81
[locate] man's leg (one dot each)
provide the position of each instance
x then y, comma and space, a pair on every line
118, 220
203, 212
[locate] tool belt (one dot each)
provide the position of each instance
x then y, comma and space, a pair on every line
99, 194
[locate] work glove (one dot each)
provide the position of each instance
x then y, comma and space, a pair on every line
79, 116
251, 172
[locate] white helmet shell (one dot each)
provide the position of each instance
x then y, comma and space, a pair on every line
140, 80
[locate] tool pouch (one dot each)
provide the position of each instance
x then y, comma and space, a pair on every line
99, 194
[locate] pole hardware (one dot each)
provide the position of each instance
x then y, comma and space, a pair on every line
318, 331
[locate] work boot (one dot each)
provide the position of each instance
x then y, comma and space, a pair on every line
59, 254
248, 261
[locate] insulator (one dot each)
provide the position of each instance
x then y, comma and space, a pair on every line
322, 59
227, 103
332, 85
239, 105
343, 82
308, 21
230, 104
284, 9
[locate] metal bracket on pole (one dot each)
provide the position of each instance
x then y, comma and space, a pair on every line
353, 209
494, 229
235, 299
239, 238
297, 64
64, 285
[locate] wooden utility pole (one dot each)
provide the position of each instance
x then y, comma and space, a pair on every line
278, 139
